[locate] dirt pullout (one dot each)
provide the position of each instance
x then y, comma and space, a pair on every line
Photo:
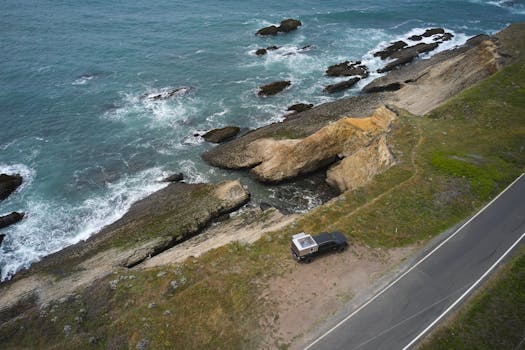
247, 227
311, 293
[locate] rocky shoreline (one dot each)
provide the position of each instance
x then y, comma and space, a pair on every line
336, 137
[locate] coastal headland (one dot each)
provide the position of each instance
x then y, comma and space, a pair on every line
416, 152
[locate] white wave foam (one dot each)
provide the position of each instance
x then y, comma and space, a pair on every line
83, 79
51, 226
191, 173
514, 7
23, 170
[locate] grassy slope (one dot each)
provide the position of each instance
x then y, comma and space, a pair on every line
450, 163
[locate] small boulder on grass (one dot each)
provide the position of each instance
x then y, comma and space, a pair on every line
273, 88
222, 134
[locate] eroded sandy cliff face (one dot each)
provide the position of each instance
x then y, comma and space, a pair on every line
278, 160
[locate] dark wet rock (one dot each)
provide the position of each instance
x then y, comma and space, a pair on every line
307, 48
300, 107
170, 93
388, 87
2, 236
174, 178
444, 37
415, 50
222, 134
285, 26
433, 31
397, 63
289, 24
346, 69
389, 50
415, 38
9, 184
264, 51
271, 30
10, 219
347, 84
274, 88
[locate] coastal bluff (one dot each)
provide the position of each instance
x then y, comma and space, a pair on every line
314, 139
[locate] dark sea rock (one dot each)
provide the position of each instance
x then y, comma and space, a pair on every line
9, 184
346, 69
222, 134
381, 88
2, 236
174, 178
415, 38
264, 51
289, 24
10, 219
347, 84
433, 31
271, 30
407, 55
274, 88
286, 26
300, 107
388, 51
444, 37
399, 62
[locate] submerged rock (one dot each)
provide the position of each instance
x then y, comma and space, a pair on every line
273, 88
9, 184
300, 107
10, 219
164, 95
347, 84
346, 69
222, 134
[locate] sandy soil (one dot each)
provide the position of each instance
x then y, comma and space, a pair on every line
311, 293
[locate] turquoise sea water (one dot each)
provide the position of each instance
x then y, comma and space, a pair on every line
73, 117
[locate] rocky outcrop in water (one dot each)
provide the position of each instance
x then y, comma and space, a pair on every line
273, 88
167, 94
389, 50
286, 26
344, 85
10, 219
264, 51
9, 184
346, 69
222, 134
407, 55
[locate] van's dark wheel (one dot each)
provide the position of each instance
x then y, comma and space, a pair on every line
341, 249
308, 260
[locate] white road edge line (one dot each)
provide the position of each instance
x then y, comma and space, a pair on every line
413, 267
474, 285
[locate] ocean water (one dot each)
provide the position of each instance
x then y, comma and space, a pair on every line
74, 120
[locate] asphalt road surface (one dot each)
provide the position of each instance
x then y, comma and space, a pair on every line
401, 314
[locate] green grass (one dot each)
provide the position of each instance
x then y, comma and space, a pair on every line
494, 319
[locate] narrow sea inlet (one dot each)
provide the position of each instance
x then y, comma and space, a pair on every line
80, 123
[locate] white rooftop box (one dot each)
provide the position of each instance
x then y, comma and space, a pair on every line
303, 244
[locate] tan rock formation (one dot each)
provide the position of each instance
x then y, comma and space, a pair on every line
279, 160
359, 168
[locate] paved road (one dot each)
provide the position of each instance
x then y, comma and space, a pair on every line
396, 316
